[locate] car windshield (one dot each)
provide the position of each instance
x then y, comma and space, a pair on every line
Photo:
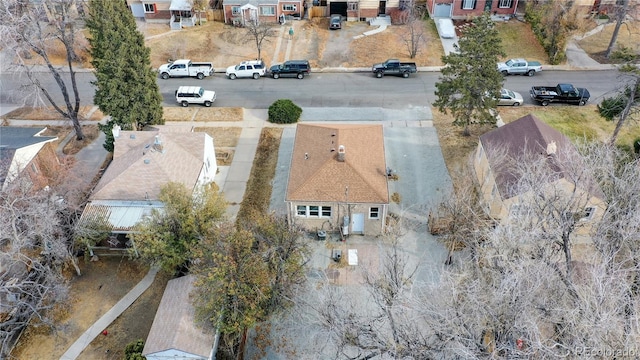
510, 93
201, 91
509, 63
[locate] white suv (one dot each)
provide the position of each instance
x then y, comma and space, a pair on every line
186, 95
246, 69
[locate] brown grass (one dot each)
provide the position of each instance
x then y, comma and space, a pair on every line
595, 45
258, 193
49, 113
222, 136
202, 114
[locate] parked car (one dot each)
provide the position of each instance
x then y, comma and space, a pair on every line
185, 68
186, 95
446, 29
394, 67
246, 69
519, 66
565, 93
335, 22
510, 98
291, 68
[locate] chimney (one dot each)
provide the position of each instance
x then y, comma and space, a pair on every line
157, 144
551, 148
341, 153
115, 130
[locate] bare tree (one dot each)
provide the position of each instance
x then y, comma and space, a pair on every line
28, 27
33, 252
413, 35
622, 10
260, 32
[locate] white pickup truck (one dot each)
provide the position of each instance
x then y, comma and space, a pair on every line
185, 68
519, 66
246, 69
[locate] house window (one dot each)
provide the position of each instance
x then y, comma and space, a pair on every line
326, 211
374, 213
267, 10
314, 211
301, 210
405, 4
468, 4
289, 7
352, 6
588, 213
235, 10
149, 8
505, 3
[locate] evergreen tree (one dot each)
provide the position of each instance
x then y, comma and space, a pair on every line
470, 82
126, 84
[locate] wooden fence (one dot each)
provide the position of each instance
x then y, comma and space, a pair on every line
317, 11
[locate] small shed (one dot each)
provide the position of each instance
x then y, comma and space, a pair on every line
174, 333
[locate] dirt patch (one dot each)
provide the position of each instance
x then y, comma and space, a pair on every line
102, 284
132, 325
202, 114
90, 132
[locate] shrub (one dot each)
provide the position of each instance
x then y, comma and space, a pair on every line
133, 351
284, 111
611, 107
624, 54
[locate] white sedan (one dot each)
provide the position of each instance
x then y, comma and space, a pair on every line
510, 98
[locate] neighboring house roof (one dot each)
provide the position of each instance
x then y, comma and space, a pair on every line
317, 175
174, 325
121, 216
525, 137
139, 169
14, 142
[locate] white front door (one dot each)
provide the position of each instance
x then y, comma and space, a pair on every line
357, 224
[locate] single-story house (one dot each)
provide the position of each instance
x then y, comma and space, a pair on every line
174, 333
239, 12
177, 13
338, 178
529, 139
25, 152
143, 162
361, 10
463, 9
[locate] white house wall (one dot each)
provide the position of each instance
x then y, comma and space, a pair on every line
173, 354
210, 167
21, 158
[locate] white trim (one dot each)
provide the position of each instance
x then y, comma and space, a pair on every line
377, 212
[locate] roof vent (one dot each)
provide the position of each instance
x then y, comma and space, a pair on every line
551, 148
147, 161
341, 153
306, 156
132, 136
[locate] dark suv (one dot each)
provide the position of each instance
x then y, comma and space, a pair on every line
291, 68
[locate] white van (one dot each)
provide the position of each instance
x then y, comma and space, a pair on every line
186, 95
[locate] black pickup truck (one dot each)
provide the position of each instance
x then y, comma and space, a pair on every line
565, 93
394, 67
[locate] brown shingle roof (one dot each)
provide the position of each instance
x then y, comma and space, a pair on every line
174, 327
139, 170
525, 137
317, 175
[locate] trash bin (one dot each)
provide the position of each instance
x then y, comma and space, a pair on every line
322, 235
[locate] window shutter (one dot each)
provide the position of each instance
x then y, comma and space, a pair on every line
474, 3
155, 9
462, 4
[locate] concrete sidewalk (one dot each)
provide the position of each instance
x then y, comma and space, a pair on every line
96, 329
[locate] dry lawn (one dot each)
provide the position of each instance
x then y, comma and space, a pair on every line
202, 114
595, 45
223, 137
49, 113
90, 132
